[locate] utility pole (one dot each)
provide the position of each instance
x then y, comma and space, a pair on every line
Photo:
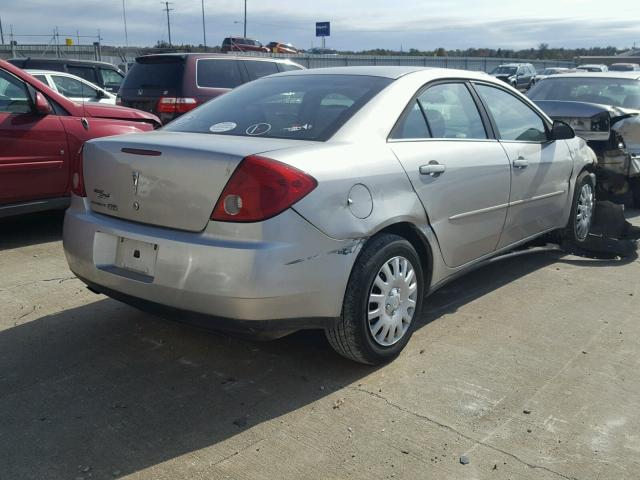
245, 18
124, 17
204, 30
167, 10
1, 33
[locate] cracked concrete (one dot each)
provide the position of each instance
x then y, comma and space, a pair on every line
93, 389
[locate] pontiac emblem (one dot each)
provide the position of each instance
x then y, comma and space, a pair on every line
136, 178
139, 91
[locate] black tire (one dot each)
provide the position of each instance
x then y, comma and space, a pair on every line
351, 336
572, 234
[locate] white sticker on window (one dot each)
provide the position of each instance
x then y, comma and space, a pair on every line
222, 127
258, 129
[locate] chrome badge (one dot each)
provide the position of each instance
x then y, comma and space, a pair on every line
140, 91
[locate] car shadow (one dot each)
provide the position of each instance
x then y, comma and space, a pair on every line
30, 229
108, 390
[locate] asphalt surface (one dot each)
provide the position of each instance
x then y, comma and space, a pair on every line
529, 368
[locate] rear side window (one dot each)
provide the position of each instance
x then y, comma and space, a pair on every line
258, 69
288, 67
218, 73
309, 107
158, 72
451, 112
88, 73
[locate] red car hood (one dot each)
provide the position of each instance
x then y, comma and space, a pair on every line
102, 110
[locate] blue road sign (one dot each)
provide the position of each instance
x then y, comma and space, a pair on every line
323, 29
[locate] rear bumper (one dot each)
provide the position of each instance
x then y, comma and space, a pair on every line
283, 271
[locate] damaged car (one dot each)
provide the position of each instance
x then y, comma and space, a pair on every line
332, 198
604, 109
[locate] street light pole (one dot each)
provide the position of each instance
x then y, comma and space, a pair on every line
124, 17
204, 31
245, 18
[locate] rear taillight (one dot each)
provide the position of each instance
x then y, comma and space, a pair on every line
175, 104
77, 176
259, 189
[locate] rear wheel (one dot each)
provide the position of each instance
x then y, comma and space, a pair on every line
382, 302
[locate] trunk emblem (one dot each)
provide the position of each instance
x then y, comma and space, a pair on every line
136, 178
136, 206
140, 91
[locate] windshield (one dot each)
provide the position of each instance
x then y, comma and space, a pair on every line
617, 92
158, 72
306, 107
504, 71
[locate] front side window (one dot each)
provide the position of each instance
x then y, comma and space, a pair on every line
514, 119
110, 77
70, 87
14, 97
218, 73
305, 107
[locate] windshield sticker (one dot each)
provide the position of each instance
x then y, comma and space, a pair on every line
222, 127
297, 128
258, 129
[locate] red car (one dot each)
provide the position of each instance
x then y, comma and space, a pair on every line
238, 44
41, 134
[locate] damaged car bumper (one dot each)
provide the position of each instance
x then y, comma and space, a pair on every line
274, 278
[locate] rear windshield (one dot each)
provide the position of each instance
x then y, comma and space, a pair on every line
306, 107
158, 72
617, 92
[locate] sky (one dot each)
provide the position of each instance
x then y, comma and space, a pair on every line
355, 24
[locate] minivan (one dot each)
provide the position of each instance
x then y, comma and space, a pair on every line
171, 84
102, 74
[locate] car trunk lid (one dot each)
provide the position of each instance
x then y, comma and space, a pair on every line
168, 179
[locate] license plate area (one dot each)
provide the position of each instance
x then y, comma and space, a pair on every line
136, 256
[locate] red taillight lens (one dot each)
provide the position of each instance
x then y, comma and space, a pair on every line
77, 176
259, 189
175, 104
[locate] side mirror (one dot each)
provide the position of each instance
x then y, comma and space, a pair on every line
562, 131
99, 94
42, 105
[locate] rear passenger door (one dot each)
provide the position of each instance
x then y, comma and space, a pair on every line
460, 172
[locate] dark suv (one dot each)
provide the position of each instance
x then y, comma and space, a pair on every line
519, 75
171, 84
102, 74
239, 44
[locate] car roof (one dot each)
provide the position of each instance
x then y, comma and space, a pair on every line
71, 61
392, 72
609, 74
223, 56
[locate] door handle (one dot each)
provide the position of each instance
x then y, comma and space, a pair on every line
520, 162
433, 168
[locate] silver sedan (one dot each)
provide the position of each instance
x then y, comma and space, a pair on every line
336, 198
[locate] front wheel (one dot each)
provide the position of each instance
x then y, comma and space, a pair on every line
382, 302
582, 209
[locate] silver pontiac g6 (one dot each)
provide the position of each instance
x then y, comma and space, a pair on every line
334, 198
